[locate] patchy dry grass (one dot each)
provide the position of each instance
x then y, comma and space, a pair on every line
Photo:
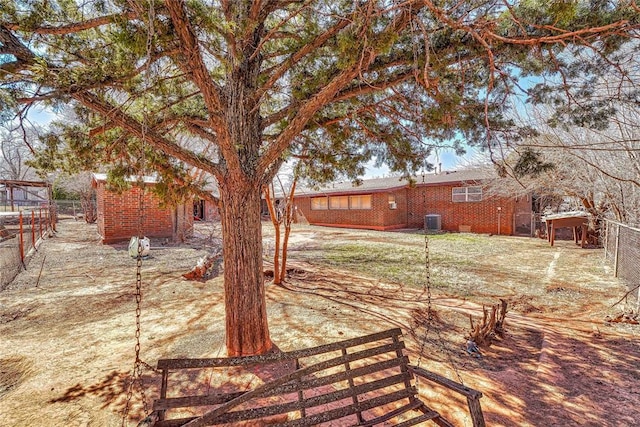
531, 275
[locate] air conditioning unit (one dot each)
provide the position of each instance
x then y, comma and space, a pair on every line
433, 222
393, 205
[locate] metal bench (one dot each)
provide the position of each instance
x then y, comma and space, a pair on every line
363, 381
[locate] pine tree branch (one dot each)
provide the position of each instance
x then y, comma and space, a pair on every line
328, 92
192, 63
76, 26
131, 125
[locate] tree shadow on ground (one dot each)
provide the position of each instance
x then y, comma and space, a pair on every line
113, 391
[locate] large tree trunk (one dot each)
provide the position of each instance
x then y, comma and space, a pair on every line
246, 313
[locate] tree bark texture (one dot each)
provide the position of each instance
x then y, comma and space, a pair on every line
247, 331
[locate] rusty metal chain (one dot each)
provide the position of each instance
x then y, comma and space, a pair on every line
430, 317
136, 375
427, 275
427, 288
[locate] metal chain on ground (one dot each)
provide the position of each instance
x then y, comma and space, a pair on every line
136, 375
430, 319
427, 288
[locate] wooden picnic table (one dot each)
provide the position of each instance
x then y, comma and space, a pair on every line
575, 220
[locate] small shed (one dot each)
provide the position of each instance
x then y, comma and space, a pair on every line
118, 213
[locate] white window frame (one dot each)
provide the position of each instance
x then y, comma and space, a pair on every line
338, 202
319, 203
466, 194
361, 201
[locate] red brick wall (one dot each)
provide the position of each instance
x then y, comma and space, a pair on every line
412, 206
379, 217
482, 216
212, 212
118, 216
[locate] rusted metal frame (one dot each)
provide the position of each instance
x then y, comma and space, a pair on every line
196, 400
274, 357
473, 396
176, 422
323, 399
299, 385
303, 410
389, 415
403, 367
351, 409
264, 389
164, 403
315, 382
21, 239
33, 226
354, 393
431, 415
163, 394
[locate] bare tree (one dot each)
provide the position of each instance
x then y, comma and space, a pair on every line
80, 184
15, 151
281, 211
596, 164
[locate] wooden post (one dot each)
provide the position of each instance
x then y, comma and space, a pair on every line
477, 418
548, 226
54, 216
33, 229
21, 240
533, 224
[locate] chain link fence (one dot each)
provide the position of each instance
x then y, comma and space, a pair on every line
20, 235
622, 249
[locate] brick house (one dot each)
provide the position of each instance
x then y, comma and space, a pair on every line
454, 201
118, 214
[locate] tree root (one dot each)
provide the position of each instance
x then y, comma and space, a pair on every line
492, 324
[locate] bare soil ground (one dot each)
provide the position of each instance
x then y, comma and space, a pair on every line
68, 333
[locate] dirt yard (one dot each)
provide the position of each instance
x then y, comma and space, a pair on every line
67, 322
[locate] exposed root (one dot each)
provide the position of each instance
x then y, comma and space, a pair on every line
492, 324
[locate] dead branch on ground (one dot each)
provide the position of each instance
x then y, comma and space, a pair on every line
492, 324
207, 267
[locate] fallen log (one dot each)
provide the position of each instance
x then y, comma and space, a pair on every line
207, 267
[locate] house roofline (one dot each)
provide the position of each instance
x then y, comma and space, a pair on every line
382, 189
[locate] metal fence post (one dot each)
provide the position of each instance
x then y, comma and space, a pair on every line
33, 228
607, 228
617, 251
21, 240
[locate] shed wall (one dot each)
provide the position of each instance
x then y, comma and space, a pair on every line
119, 216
